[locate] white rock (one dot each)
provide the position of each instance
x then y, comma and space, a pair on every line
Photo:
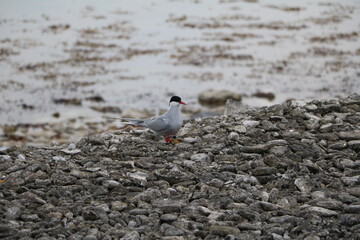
139, 177
71, 146
233, 136
71, 152
5, 157
239, 129
250, 123
58, 158
200, 157
190, 140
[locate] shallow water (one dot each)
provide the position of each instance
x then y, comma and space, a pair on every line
135, 54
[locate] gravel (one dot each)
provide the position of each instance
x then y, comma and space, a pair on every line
289, 171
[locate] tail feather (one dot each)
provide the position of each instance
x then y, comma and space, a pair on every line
137, 122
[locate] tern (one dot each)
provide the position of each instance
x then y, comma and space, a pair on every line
166, 125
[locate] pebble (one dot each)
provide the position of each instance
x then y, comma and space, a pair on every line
268, 173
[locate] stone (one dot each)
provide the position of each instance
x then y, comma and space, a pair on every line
200, 157
168, 205
353, 135
133, 235
264, 171
303, 184
223, 231
323, 212
6, 230
170, 230
355, 191
118, 206
58, 158
233, 136
217, 97
354, 144
13, 212
168, 217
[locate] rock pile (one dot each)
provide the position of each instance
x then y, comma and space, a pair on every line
288, 171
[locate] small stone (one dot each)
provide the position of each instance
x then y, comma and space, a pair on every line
71, 152
303, 184
330, 204
351, 181
5, 157
200, 157
58, 158
353, 135
90, 237
118, 206
168, 205
71, 146
352, 209
261, 171
354, 144
233, 136
323, 212
6, 230
30, 217
251, 123
13, 213
355, 191
223, 231
168, 217
134, 235
139, 177
190, 140
111, 184
312, 237
21, 157
170, 230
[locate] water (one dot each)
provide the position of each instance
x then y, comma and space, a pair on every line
135, 54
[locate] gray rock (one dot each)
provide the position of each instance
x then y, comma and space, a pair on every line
355, 191
134, 235
354, 144
223, 231
323, 212
353, 135
168, 205
6, 230
168, 217
303, 184
170, 230
200, 157
330, 204
264, 171
13, 212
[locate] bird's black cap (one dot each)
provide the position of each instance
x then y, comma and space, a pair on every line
175, 99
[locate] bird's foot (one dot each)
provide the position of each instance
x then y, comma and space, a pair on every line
167, 139
173, 140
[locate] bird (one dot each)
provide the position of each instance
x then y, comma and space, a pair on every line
166, 125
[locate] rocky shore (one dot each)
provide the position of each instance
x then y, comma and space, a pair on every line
289, 171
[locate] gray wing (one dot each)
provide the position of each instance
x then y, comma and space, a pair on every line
158, 124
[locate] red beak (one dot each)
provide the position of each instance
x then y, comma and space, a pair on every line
182, 103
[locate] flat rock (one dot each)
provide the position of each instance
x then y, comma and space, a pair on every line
224, 230
323, 212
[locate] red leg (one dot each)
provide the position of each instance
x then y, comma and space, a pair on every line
167, 139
